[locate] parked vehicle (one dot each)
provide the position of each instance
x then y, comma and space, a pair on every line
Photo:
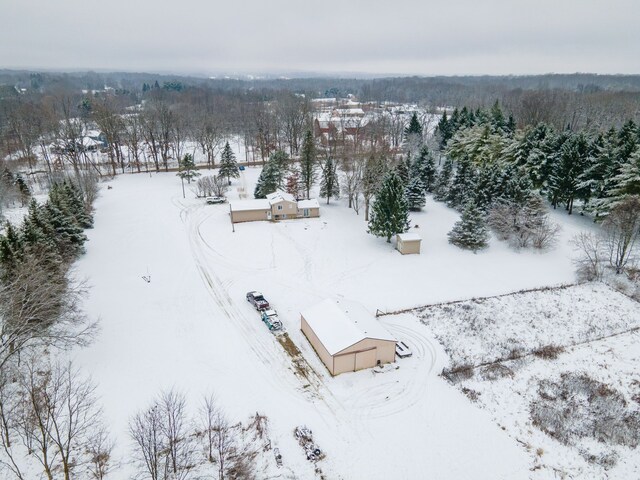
270, 318
403, 350
214, 200
276, 453
241, 168
257, 300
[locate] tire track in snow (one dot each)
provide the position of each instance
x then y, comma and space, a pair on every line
266, 347
398, 393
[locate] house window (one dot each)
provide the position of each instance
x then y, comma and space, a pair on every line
279, 207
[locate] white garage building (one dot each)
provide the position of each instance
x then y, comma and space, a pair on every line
346, 337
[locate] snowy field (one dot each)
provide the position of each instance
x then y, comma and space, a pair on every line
191, 328
576, 411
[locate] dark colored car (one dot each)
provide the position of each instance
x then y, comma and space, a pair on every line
257, 300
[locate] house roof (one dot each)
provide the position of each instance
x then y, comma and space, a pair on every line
409, 237
339, 325
313, 203
248, 205
279, 196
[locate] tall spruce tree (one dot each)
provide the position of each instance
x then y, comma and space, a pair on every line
329, 183
470, 231
308, 163
390, 210
228, 164
463, 185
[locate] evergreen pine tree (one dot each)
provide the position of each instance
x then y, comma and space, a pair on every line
463, 185
443, 180
228, 164
267, 181
187, 168
11, 250
425, 168
444, 131
69, 236
390, 210
23, 190
470, 231
308, 164
415, 192
403, 171
75, 200
329, 184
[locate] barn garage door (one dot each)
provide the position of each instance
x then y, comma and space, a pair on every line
366, 359
350, 362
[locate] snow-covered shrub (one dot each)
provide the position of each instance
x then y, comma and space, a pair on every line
578, 406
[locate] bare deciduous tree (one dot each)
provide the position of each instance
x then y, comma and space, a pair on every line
38, 310
589, 265
622, 228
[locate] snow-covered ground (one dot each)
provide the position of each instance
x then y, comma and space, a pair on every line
192, 329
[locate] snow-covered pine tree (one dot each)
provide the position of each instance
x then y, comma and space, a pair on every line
415, 193
463, 185
425, 168
443, 180
267, 181
390, 210
228, 164
308, 164
187, 168
470, 231
75, 200
69, 236
11, 250
329, 183
413, 134
402, 169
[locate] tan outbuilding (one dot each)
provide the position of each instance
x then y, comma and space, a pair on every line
346, 337
277, 206
408, 243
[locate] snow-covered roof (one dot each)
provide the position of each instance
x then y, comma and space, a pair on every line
247, 205
313, 203
279, 195
409, 237
338, 330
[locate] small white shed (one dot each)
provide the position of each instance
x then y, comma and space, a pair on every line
408, 243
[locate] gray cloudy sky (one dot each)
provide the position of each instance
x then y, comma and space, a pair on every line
369, 36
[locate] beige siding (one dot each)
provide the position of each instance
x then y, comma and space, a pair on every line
290, 209
344, 363
249, 215
366, 359
385, 349
314, 212
409, 247
317, 345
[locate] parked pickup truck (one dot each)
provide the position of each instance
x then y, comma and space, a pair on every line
214, 200
257, 300
270, 318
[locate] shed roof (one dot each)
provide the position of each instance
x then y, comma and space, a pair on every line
337, 330
409, 237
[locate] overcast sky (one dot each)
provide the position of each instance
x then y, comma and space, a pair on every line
426, 37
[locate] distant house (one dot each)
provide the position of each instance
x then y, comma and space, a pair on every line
278, 205
346, 337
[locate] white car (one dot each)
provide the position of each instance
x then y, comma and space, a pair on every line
403, 350
213, 200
